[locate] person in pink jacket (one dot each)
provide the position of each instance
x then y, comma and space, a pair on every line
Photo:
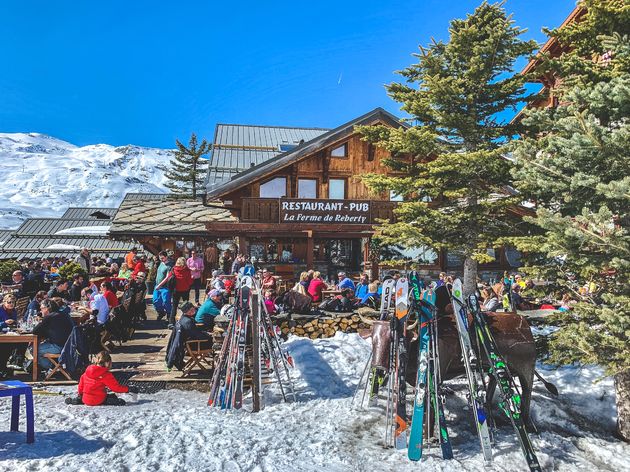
196, 266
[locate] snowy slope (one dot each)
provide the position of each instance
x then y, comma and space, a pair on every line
42, 175
174, 430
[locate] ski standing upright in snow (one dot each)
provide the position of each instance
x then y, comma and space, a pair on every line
400, 389
473, 371
510, 397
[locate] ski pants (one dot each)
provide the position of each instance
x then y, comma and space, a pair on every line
177, 297
162, 301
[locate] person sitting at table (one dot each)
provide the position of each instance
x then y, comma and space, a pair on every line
491, 302
124, 272
344, 282
302, 285
211, 307
316, 286
114, 269
98, 301
216, 283
33, 308
76, 288
370, 298
95, 382
362, 287
107, 289
8, 313
270, 305
184, 330
53, 332
139, 266
60, 289
268, 280
24, 287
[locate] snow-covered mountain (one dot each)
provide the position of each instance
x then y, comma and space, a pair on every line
42, 176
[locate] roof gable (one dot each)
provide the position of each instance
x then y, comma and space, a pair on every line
301, 151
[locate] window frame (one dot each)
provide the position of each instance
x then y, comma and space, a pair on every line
346, 151
286, 183
345, 187
316, 180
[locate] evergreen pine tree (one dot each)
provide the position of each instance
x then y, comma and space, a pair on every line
454, 183
573, 162
188, 167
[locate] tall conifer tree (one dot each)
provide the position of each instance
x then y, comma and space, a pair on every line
188, 167
455, 94
574, 163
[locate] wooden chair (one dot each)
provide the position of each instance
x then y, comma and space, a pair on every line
56, 367
21, 305
198, 356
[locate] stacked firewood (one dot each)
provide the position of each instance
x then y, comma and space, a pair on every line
325, 326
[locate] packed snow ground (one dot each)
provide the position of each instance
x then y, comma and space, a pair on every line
43, 175
175, 430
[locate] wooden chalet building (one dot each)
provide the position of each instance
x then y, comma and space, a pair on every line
292, 198
306, 206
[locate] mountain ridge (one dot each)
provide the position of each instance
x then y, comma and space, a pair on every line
44, 175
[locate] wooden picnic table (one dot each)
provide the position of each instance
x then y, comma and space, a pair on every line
331, 292
24, 338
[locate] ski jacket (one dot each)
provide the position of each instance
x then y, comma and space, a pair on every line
75, 353
139, 267
93, 384
183, 278
315, 289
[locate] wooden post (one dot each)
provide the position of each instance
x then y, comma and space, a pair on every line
309, 249
242, 245
256, 383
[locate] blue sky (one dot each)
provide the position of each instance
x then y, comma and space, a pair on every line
147, 72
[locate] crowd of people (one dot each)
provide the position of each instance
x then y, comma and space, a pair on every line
53, 300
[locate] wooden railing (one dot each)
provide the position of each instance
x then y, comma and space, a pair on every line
267, 210
261, 210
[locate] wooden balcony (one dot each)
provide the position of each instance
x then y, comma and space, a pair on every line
267, 210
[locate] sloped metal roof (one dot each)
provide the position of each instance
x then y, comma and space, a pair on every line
5, 234
50, 226
37, 247
216, 189
82, 213
237, 148
262, 136
166, 215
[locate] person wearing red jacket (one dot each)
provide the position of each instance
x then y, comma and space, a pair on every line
107, 289
181, 292
95, 382
139, 266
316, 287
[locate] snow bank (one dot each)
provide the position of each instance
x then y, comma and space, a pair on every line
174, 430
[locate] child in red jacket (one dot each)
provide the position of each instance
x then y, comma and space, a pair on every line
93, 383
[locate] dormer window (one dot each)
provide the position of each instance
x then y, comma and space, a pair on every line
284, 147
340, 151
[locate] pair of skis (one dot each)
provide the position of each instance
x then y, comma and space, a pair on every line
427, 393
509, 392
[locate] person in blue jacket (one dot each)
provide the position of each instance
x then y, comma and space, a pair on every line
362, 287
210, 308
344, 282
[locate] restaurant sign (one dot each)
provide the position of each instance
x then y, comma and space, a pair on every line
299, 210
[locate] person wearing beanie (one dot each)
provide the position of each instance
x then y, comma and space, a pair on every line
210, 308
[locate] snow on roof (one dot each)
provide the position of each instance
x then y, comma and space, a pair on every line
85, 230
